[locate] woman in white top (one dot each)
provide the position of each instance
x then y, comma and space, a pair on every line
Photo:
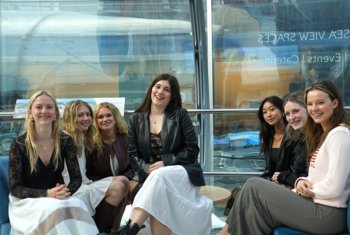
318, 203
102, 197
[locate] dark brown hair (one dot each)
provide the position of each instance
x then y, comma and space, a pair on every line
175, 99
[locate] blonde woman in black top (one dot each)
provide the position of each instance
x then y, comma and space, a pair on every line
40, 201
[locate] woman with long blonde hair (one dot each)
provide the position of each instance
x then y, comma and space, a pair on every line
40, 201
109, 158
102, 196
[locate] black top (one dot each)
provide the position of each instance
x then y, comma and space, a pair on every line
281, 162
24, 184
156, 145
274, 158
290, 160
297, 166
178, 141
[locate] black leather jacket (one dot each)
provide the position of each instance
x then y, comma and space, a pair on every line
179, 144
291, 162
281, 163
297, 164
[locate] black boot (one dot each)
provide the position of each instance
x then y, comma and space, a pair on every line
118, 214
130, 229
104, 216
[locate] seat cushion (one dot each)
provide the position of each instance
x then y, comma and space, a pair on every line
348, 216
5, 229
288, 231
4, 192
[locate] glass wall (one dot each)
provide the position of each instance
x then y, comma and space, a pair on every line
227, 54
92, 48
275, 47
263, 48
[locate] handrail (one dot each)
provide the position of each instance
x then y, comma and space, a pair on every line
196, 111
215, 111
6, 114
229, 173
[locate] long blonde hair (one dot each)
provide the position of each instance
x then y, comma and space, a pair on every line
32, 148
79, 137
120, 126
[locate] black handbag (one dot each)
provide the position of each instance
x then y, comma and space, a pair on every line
230, 201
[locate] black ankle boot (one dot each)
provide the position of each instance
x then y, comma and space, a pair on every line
130, 229
134, 229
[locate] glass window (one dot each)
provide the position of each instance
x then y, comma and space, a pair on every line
266, 47
94, 48
263, 48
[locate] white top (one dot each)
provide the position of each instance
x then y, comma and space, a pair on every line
91, 193
82, 166
329, 170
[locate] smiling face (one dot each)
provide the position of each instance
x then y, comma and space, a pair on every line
83, 119
320, 107
105, 119
271, 114
161, 94
296, 115
43, 111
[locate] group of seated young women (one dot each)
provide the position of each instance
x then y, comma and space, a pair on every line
57, 161
78, 176
306, 184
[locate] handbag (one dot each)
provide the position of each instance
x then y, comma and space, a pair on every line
230, 201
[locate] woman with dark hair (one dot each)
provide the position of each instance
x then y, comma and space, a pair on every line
163, 151
318, 203
272, 134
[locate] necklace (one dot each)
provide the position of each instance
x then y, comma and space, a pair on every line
43, 147
156, 119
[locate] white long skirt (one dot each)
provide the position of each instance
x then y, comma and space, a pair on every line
93, 193
50, 216
169, 196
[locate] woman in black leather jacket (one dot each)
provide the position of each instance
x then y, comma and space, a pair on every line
296, 115
163, 150
272, 135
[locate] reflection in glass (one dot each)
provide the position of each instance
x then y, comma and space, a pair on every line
267, 48
94, 48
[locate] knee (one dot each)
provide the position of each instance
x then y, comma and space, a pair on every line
120, 184
254, 184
